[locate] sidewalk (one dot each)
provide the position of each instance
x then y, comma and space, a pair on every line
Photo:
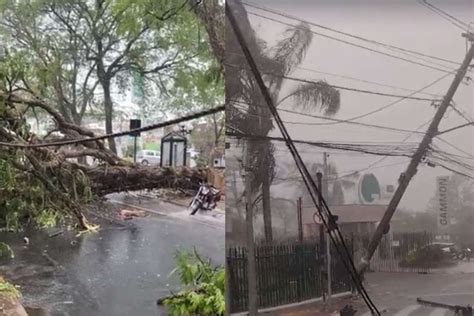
328, 308
175, 198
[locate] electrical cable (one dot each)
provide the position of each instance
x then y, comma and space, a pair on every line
453, 20
409, 97
389, 104
355, 45
328, 119
288, 16
185, 118
375, 150
453, 146
354, 79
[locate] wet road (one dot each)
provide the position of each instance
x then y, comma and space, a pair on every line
396, 293
116, 271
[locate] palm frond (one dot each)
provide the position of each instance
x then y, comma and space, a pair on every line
290, 52
318, 95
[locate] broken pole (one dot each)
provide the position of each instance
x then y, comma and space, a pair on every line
406, 177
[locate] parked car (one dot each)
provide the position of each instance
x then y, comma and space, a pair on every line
146, 157
446, 247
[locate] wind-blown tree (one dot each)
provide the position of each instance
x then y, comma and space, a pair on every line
41, 181
104, 41
254, 117
59, 69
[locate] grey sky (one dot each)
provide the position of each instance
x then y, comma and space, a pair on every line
405, 24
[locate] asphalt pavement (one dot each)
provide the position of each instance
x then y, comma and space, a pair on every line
118, 271
397, 293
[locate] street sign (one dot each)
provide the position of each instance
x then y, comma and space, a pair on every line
369, 189
134, 124
443, 205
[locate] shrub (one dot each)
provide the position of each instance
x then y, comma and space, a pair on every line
203, 287
427, 257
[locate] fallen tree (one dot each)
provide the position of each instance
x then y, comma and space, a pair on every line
64, 184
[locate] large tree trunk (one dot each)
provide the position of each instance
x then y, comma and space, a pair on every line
108, 107
139, 177
211, 14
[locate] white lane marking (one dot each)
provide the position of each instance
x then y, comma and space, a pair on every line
407, 310
439, 312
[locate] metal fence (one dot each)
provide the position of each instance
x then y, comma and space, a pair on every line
294, 272
286, 273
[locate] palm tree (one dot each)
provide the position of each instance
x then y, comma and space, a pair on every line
274, 62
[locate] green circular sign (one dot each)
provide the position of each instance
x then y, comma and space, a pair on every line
369, 186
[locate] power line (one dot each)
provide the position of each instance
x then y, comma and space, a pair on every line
345, 173
451, 19
354, 44
454, 146
379, 150
382, 108
274, 74
350, 35
456, 171
329, 119
461, 113
455, 128
185, 118
403, 141
354, 79
387, 105
353, 89
368, 81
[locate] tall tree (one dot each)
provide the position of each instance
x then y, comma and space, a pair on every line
58, 67
159, 40
109, 39
254, 117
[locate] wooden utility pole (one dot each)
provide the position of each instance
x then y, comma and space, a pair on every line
325, 195
322, 242
251, 264
405, 177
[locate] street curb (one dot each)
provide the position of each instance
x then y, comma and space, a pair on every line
299, 304
161, 214
139, 208
185, 205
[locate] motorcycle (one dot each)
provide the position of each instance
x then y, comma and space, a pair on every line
206, 198
461, 254
467, 253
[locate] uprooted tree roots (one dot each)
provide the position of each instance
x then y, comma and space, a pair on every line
53, 179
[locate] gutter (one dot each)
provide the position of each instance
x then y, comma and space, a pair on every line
294, 305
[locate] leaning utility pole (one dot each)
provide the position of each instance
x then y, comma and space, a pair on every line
405, 177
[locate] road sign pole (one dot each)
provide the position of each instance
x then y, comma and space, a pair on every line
134, 149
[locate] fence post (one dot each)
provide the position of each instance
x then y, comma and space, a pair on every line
300, 218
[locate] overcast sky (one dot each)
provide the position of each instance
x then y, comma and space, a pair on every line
404, 24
